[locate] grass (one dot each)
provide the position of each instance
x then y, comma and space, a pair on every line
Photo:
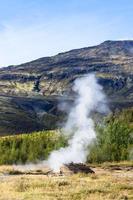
113, 164
103, 185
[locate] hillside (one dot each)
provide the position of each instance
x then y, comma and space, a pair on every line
117, 131
26, 90
21, 114
112, 60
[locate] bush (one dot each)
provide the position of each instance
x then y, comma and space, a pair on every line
114, 140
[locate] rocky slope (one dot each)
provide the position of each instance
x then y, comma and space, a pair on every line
112, 61
24, 115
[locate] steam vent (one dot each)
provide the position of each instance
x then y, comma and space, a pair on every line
73, 168
65, 170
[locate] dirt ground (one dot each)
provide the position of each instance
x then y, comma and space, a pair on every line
108, 182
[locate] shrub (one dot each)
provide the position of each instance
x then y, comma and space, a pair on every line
114, 140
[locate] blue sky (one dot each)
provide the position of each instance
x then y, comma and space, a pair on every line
30, 29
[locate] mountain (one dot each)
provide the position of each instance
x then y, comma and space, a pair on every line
24, 86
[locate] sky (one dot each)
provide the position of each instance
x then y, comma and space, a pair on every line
30, 29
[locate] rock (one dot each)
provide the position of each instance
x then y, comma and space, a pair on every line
75, 168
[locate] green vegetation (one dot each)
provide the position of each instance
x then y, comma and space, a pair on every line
114, 142
29, 147
114, 139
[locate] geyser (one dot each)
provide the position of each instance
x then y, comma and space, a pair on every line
79, 125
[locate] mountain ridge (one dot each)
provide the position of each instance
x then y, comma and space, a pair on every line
51, 77
106, 42
110, 58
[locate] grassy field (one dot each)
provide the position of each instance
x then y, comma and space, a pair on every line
107, 183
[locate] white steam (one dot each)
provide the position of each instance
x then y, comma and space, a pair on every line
80, 126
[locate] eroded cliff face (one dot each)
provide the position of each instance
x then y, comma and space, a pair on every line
112, 61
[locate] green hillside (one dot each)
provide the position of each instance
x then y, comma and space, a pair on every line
29, 147
114, 142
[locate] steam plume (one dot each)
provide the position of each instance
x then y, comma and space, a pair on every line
80, 126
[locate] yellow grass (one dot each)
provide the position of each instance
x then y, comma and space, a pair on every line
103, 185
